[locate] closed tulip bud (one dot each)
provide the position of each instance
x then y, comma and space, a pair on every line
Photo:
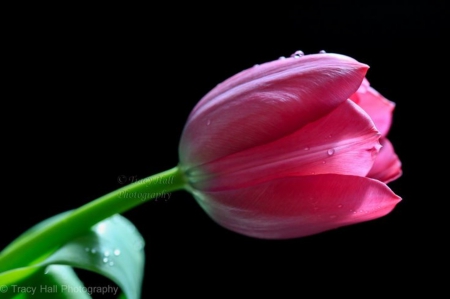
291, 148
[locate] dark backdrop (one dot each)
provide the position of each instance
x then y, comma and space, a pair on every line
104, 92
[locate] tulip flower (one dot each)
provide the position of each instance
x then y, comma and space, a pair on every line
286, 149
291, 148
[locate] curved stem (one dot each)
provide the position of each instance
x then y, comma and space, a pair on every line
27, 249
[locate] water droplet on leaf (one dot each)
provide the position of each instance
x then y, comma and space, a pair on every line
330, 152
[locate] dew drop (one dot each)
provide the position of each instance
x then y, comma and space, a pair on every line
323, 162
329, 136
105, 260
339, 206
208, 122
117, 252
94, 251
87, 249
281, 58
330, 152
322, 52
306, 148
111, 264
298, 54
107, 253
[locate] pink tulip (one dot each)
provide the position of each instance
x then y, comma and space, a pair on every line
279, 151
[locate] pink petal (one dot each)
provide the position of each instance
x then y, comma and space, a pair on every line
265, 103
343, 142
387, 165
298, 206
378, 107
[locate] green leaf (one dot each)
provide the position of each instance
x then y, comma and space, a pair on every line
113, 248
22, 273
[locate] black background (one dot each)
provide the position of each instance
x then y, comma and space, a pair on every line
104, 92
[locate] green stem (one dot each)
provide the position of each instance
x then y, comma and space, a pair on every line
25, 250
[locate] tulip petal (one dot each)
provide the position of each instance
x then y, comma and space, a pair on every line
298, 206
343, 142
265, 103
378, 107
387, 165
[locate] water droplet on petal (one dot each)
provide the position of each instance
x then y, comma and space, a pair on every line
117, 252
330, 152
208, 122
281, 58
322, 52
339, 206
298, 54
333, 216
306, 148
323, 162
105, 260
329, 136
